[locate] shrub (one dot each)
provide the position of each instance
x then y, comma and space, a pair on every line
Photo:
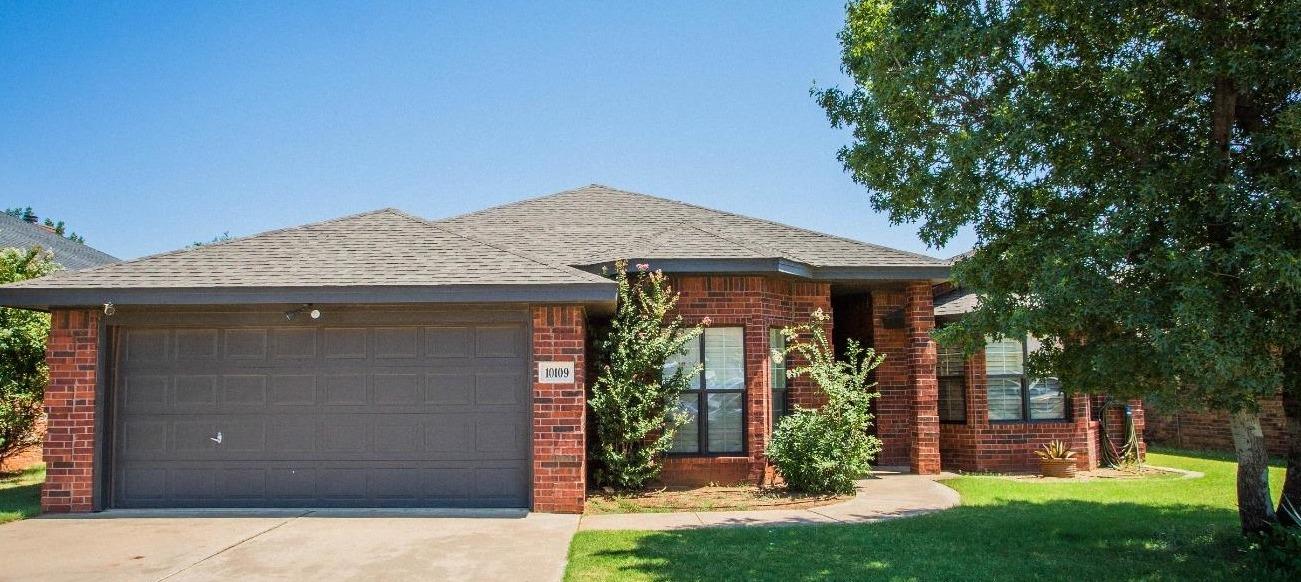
633, 404
827, 449
1278, 550
23, 374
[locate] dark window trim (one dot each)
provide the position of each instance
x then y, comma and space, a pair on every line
702, 405
786, 387
961, 377
1024, 379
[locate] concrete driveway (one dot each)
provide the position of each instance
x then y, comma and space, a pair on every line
288, 545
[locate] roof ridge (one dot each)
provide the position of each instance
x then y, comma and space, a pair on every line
764, 220
205, 246
512, 204
520, 254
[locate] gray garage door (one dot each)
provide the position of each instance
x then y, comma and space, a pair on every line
301, 414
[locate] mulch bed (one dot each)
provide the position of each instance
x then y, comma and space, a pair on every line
1101, 473
706, 498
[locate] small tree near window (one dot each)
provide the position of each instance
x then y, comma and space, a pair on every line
633, 402
23, 374
825, 450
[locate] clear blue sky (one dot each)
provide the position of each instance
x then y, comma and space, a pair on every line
147, 127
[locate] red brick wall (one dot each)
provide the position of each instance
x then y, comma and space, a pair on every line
907, 414
72, 355
894, 405
559, 412
981, 445
1210, 430
924, 451
757, 304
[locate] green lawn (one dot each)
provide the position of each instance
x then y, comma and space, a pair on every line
1162, 528
20, 494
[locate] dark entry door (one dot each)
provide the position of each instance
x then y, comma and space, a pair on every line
342, 414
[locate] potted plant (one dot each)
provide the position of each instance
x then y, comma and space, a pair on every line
1056, 460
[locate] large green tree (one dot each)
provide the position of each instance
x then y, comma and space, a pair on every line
1130, 170
23, 334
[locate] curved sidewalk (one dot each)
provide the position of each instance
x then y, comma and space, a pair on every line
886, 495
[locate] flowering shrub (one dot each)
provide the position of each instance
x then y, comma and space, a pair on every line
825, 450
633, 404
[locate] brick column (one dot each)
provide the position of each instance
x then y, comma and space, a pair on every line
919, 314
72, 355
894, 405
559, 412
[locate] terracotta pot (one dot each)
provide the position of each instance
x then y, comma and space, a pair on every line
1064, 468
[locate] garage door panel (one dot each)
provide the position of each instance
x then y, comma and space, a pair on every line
319, 415
196, 344
293, 343
344, 389
397, 389
194, 392
291, 390
447, 342
244, 391
245, 344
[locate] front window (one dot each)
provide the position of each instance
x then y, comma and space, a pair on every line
718, 390
777, 356
1012, 395
951, 372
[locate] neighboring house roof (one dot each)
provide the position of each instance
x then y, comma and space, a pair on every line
595, 225
955, 302
379, 256
17, 233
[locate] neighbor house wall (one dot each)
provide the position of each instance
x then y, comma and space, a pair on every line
72, 355
1209, 430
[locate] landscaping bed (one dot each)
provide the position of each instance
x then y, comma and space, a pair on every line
706, 498
1101, 474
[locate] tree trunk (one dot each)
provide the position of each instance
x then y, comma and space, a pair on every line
1255, 504
1289, 507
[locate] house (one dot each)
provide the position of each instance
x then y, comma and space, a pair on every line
18, 233
383, 359
993, 416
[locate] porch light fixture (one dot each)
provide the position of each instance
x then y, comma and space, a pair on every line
305, 308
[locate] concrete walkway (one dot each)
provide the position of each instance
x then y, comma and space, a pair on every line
887, 495
289, 545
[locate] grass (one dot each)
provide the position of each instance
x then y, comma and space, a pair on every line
20, 493
1159, 528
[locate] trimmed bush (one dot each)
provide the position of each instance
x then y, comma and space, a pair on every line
825, 450
633, 404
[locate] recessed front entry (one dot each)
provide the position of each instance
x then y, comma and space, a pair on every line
357, 409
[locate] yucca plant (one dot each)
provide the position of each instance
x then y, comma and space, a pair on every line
1055, 450
1056, 460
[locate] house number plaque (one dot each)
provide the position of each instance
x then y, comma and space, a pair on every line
555, 372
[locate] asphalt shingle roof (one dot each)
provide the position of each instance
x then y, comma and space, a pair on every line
15, 233
597, 224
381, 248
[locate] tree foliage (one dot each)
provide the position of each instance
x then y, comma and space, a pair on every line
23, 374
1129, 169
825, 450
26, 214
634, 404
